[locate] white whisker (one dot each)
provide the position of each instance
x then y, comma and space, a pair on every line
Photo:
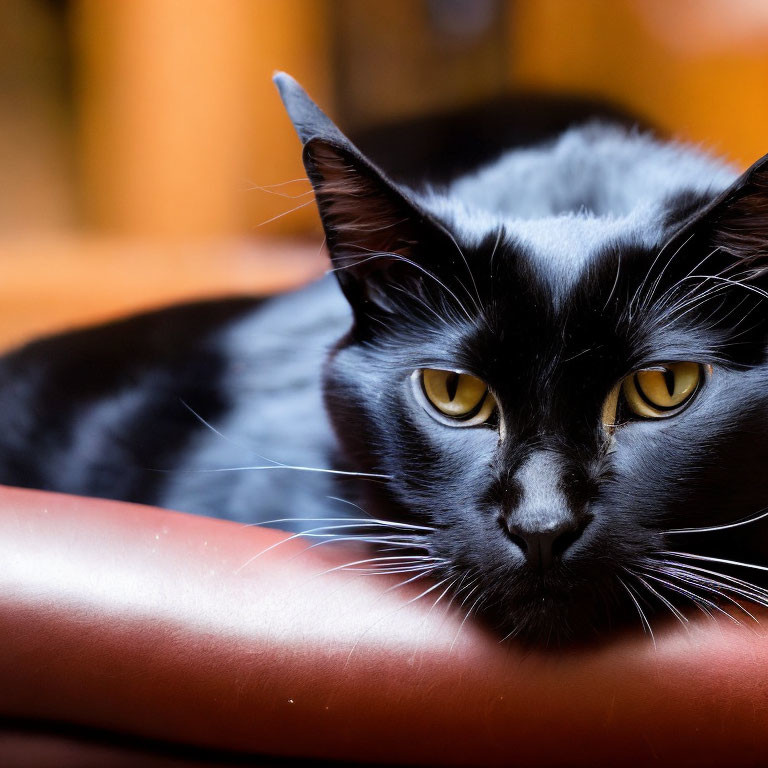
746, 589
615, 283
286, 213
371, 522
716, 560
413, 578
759, 516
387, 558
466, 616
415, 265
443, 594
709, 586
288, 195
643, 618
370, 475
675, 611
699, 601
647, 299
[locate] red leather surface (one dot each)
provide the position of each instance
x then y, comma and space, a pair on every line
160, 624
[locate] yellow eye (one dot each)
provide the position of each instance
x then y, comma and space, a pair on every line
662, 390
463, 398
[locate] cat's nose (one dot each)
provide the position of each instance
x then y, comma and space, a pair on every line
543, 545
542, 514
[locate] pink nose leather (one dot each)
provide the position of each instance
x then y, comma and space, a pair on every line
163, 625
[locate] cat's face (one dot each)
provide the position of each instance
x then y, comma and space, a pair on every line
555, 428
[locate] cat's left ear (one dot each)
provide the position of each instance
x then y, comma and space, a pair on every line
716, 268
376, 233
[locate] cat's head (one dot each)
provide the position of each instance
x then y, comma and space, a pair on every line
557, 409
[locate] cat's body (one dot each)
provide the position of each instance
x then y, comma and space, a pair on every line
540, 274
117, 411
109, 411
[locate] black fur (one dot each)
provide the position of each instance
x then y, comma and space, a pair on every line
636, 253
95, 411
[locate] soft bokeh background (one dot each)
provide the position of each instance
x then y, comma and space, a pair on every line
145, 156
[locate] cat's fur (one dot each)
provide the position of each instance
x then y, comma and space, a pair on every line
551, 273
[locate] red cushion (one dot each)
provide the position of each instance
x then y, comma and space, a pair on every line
163, 625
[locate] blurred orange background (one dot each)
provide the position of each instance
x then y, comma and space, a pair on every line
146, 157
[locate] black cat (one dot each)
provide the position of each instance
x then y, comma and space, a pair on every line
544, 382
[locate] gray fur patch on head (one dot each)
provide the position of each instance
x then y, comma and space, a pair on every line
595, 185
597, 168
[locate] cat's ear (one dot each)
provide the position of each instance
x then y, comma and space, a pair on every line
717, 266
734, 226
375, 232
739, 220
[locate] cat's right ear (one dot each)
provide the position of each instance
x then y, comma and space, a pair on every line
376, 234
